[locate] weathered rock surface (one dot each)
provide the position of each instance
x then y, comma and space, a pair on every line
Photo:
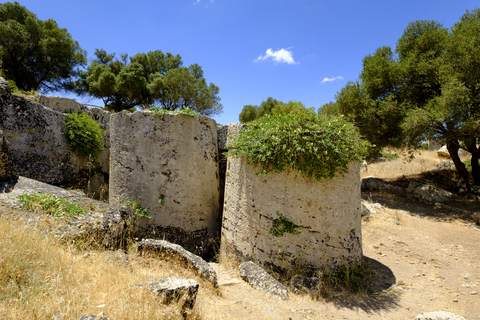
176, 290
7, 167
35, 134
438, 315
428, 193
443, 152
168, 164
170, 249
261, 280
376, 184
444, 165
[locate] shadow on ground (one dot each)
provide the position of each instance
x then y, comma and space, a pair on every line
383, 295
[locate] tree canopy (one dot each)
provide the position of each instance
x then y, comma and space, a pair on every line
36, 54
148, 78
270, 106
429, 87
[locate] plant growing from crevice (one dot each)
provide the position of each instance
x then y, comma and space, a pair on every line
162, 111
84, 135
316, 146
132, 222
51, 204
282, 225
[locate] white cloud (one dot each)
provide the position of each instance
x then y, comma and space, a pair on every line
279, 56
332, 79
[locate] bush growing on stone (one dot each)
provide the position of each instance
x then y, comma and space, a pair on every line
84, 135
319, 147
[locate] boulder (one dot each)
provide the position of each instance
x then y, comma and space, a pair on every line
7, 167
438, 315
261, 280
443, 152
176, 290
444, 165
166, 248
428, 193
375, 184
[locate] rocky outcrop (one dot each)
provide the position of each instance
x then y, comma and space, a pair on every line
7, 167
261, 280
174, 290
35, 133
173, 250
375, 184
428, 193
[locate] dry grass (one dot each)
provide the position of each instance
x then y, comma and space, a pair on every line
41, 278
423, 161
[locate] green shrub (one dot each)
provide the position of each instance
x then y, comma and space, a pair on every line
50, 204
84, 135
319, 147
391, 156
139, 211
161, 111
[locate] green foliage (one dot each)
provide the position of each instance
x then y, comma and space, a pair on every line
318, 147
270, 106
139, 211
36, 54
161, 199
390, 156
426, 89
424, 146
282, 225
83, 134
161, 111
148, 78
50, 204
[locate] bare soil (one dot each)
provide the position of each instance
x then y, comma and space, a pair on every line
427, 258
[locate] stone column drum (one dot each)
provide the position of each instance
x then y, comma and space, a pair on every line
168, 164
327, 211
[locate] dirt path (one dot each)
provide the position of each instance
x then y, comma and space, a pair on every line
434, 263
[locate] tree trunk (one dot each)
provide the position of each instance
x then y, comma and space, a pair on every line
452, 147
475, 166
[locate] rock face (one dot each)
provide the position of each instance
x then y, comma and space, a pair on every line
261, 280
428, 193
375, 184
7, 168
438, 315
326, 213
168, 164
170, 249
176, 290
35, 134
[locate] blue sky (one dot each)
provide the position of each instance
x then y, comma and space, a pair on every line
301, 50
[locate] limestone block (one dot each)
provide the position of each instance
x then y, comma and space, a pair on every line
327, 212
35, 134
261, 280
175, 289
168, 164
226, 132
7, 167
170, 249
63, 105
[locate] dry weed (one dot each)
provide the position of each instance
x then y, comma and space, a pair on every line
41, 278
423, 161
